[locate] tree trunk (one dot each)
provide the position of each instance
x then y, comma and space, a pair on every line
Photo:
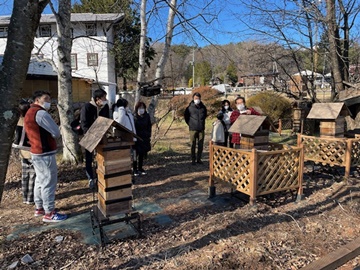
163, 59
333, 36
20, 42
71, 149
141, 69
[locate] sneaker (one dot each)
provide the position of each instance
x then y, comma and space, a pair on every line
54, 217
193, 162
199, 162
30, 203
136, 173
142, 172
39, 212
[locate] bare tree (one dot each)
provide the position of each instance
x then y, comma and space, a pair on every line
20, 42
71, 149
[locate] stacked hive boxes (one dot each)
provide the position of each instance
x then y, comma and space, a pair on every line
114, 178
113, 143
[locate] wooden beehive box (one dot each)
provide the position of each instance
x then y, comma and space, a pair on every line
113, 143
331, 117
254, 130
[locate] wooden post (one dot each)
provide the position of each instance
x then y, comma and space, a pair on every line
253, 176
212, 189
348, 158
280, 127
298, 139
301, 173
302, 126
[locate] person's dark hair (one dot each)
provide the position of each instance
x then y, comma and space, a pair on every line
99, 94
196, 94
40, 93
122, 102
24, 107
238, 97
140, 104
220, 116
224, 102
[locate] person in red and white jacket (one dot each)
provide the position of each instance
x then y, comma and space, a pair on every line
240, 110
42, 131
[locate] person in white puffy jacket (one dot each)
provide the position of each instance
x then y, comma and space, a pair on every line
123, 115
218, 130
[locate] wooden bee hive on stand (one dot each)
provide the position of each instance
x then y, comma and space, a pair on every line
254, 130
112, 143
331, 117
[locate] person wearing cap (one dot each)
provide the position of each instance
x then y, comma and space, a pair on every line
195, 115
218, 130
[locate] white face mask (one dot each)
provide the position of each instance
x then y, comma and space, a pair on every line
141, 111
226, 107
197, 101
240, 107
46, 105
104, 102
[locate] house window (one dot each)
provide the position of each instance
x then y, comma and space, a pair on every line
3, 32
74, 61
90, 29
92, 59
45, 30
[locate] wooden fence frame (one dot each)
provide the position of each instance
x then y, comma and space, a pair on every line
255, 172
343, 152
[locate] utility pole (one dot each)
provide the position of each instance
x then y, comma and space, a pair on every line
193, 68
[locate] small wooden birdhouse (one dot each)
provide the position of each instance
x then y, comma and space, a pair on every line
112, 143
331, 117
254, 130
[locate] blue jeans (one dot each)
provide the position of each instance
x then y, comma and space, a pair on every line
45, 182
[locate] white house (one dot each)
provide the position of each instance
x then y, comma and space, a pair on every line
91, 58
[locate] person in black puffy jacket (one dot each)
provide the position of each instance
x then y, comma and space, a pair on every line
143, 130
195, 115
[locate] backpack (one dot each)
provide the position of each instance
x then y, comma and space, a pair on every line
20, 140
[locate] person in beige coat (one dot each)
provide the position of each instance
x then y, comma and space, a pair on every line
218, 130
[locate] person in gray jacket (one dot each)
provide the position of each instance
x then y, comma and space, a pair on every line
195, 115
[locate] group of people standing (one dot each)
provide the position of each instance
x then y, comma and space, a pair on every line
36, 135
195, 116
38, 145
225, 118
138, 122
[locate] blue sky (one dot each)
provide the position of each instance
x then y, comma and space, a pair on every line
227, 21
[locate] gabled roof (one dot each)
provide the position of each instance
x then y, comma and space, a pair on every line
75, 17
248, 124
99, 129
328, 111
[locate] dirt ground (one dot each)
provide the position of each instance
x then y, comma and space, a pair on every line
276, 234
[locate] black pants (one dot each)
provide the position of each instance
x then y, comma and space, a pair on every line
88, 164
138, 162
